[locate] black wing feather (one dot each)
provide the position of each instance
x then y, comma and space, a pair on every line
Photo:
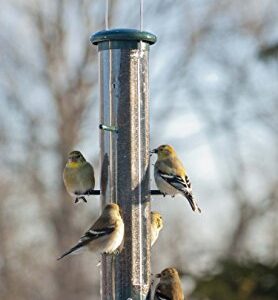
182, 185
89, 236
93, 234
175, 181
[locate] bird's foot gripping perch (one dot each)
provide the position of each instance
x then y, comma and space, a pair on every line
80, 198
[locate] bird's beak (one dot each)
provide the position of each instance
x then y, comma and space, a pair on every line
157, 275
72, 159
154, 151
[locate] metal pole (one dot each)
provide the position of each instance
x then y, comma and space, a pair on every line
124, 113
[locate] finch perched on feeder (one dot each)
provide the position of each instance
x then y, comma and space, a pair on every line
156, 226
78, 176
170, 175
169, 286
105, 235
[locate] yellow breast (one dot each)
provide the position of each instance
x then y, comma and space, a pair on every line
73, 165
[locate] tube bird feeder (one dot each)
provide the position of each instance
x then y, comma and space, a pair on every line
124, 154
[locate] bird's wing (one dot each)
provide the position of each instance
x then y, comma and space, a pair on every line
94, 233
183, 185
90, 235
177, 181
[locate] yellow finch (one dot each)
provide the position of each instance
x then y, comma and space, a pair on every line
78, 176
106, 234
169, 286
156, 226
170, 175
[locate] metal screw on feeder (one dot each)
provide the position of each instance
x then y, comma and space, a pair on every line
124, 102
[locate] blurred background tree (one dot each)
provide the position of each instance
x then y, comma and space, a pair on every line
239, 281
216, 63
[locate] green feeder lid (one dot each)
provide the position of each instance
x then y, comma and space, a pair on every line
123, 35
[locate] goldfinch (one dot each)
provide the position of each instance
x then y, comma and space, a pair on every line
170, 175
169, 286
105, 235
156, 226
78, 176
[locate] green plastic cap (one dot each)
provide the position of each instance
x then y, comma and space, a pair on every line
121, 38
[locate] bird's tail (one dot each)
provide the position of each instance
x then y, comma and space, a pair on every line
192, 201
73, 250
